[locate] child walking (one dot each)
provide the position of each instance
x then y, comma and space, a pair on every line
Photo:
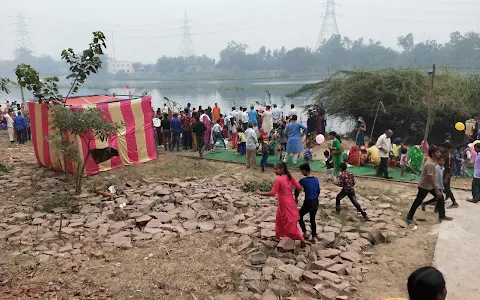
466, 157
439, 181
242, 142
403, 161
347, 182
457, 157
282, 140
311, 186
329, 163
265, 148
218, 135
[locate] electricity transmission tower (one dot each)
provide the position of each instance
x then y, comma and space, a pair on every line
186, 49
329, 24
22, 40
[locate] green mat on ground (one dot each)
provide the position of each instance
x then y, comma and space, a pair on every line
315, 165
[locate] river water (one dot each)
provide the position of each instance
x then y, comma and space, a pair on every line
226, 94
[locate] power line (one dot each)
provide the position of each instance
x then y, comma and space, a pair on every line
329, 25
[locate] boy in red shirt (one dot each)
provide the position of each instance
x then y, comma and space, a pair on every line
347, 182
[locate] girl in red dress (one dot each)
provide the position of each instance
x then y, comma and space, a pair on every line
287, 212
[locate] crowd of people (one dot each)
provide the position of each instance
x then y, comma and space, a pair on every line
15, 119
247, 130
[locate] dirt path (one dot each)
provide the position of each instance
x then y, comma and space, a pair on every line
457, 251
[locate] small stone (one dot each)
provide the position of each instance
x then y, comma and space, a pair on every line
267, 272
268, 295
66, 248
247, 230
103, 229
230, 296
378, 236
37, 221
249, 274
312, 278
328, 275
273, 262
339, 269
97, 253
190, 225
286, 244
258, 258
142, 236
322, 264
161, 217
294, 272
342, 298
142, 220
328, 253
254, 287
384, 205
122, 242
206, 226
328, 294
68, 230
351, 256
327, 237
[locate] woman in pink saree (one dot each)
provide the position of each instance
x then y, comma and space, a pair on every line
208, 133
287, 212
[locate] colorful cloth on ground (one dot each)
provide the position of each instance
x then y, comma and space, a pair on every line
354, 156
287, 212
135, 142
295, 132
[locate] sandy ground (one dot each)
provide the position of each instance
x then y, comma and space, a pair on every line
457, 252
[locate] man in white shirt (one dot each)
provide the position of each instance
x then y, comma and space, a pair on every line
277, 116
293, 111
252, 145
204, 115
234, 113
217, 135
157, 128
244, 119
228, 124
384, 145
165, 109
10, 130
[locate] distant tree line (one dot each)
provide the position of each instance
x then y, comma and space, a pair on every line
338, 53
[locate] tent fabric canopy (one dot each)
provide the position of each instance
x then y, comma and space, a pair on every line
94, 99
134, 144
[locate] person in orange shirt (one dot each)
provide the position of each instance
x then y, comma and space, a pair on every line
216, 113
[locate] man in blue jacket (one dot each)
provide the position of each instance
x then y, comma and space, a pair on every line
176, 127
20, 125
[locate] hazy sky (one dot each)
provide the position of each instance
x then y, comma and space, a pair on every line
147, 29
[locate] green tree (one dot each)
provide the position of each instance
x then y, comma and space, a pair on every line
88, 124
4, 82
